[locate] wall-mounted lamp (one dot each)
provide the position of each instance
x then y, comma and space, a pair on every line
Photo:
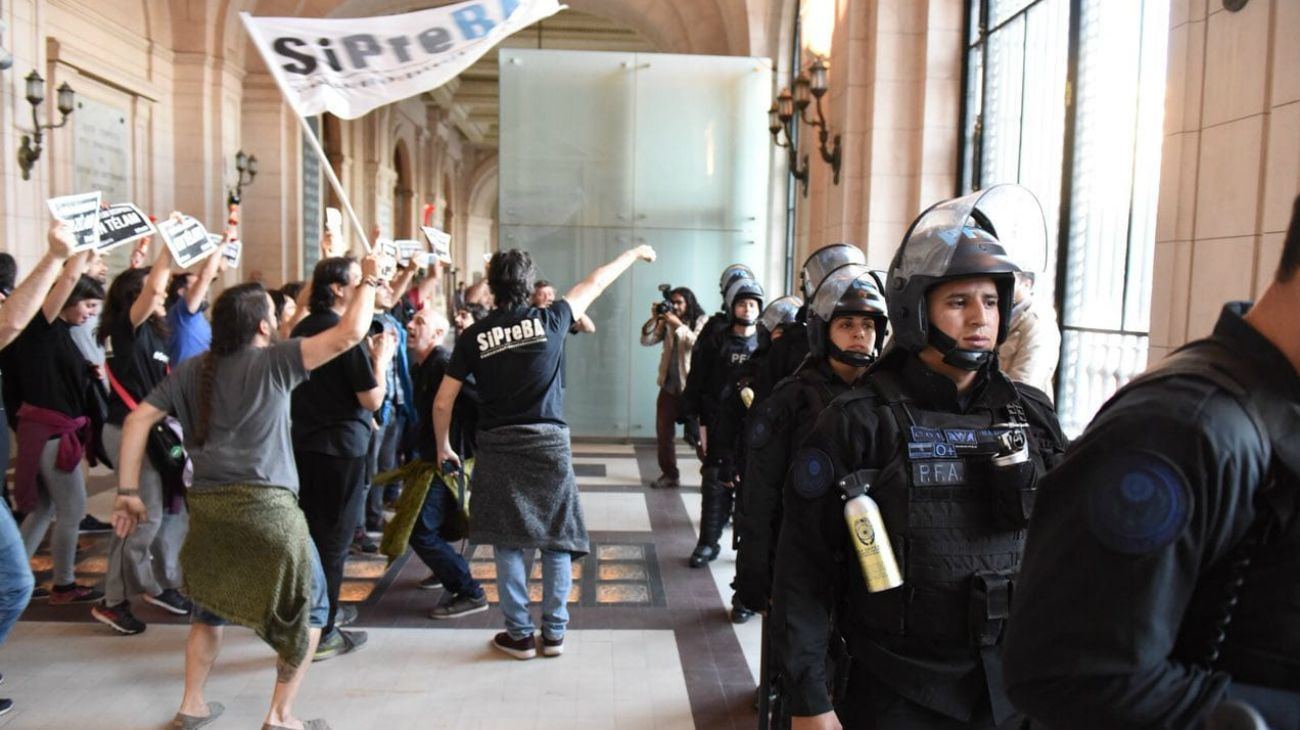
244, 165
809, 87
780, 118
30, 150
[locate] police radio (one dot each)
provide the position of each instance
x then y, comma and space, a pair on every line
867, 533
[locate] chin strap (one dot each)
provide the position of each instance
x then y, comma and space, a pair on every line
969, 360
849, 357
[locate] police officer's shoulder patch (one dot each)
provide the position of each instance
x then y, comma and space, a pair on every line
760, 428
1138, 502
811, 473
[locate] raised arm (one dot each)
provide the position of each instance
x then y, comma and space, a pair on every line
155, 289
198, 291
585, 292
73, 268
325, 346
25, 300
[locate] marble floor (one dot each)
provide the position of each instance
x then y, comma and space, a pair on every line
649, 646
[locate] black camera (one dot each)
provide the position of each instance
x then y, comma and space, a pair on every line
376, 327
666, 306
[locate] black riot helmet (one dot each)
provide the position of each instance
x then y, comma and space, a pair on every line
825, 260
742, 288
852, 289
963, 238
731, 274
782, 311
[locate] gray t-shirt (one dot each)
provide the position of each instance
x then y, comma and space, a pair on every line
248, 434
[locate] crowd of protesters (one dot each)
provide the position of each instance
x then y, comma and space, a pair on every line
258, 441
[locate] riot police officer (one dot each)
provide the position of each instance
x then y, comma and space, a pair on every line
786, 354
846, 326
950, 450
777, 316
696, 404
719, 361
1163, 566
846, 329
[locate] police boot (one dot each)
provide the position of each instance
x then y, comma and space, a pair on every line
714, 504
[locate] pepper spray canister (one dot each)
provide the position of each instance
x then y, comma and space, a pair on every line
868, 536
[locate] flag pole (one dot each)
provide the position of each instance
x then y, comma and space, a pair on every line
333, 178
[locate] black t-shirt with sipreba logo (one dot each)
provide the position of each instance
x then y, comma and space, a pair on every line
516, 356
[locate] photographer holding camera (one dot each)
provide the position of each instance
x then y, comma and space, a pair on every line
676, 321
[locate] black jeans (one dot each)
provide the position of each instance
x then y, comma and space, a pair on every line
331, 492
443, 559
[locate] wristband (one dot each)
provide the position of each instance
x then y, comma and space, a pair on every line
128, 491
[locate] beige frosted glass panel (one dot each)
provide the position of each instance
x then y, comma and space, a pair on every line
566, 128
702, 142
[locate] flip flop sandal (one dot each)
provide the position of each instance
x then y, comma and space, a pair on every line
194, 722
317, 724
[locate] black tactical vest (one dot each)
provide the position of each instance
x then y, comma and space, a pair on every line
958, 552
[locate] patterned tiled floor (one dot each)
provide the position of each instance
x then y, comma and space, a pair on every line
650, 643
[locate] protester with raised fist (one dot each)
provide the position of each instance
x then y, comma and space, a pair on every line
248, 557
525, 493
56, 382
20, 304
133, 331
332, 415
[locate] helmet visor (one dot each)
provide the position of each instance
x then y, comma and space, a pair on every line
850, 288
1009, 212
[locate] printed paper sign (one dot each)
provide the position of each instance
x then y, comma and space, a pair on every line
231, 251
440, 241
348, 66
82, 213
122, 223
407, 249
386, 250
188, 240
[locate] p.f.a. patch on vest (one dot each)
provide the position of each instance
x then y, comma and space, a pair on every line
939, 473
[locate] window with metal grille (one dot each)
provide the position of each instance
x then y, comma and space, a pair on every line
1066, 97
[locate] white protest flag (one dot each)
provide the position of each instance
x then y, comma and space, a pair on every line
348, 66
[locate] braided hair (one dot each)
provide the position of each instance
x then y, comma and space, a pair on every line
235, 317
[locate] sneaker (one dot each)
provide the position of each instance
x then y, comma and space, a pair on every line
457, 606
664, 482
346, 615
90, 523
552, 647
40, 594
430, 584
74, 593
364, 543
6, 705
172, 601
119, 617
525, 648
339, 642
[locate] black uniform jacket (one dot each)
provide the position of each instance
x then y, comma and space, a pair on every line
697, 400
783, 358
1127, 566
774, 429
817, 579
